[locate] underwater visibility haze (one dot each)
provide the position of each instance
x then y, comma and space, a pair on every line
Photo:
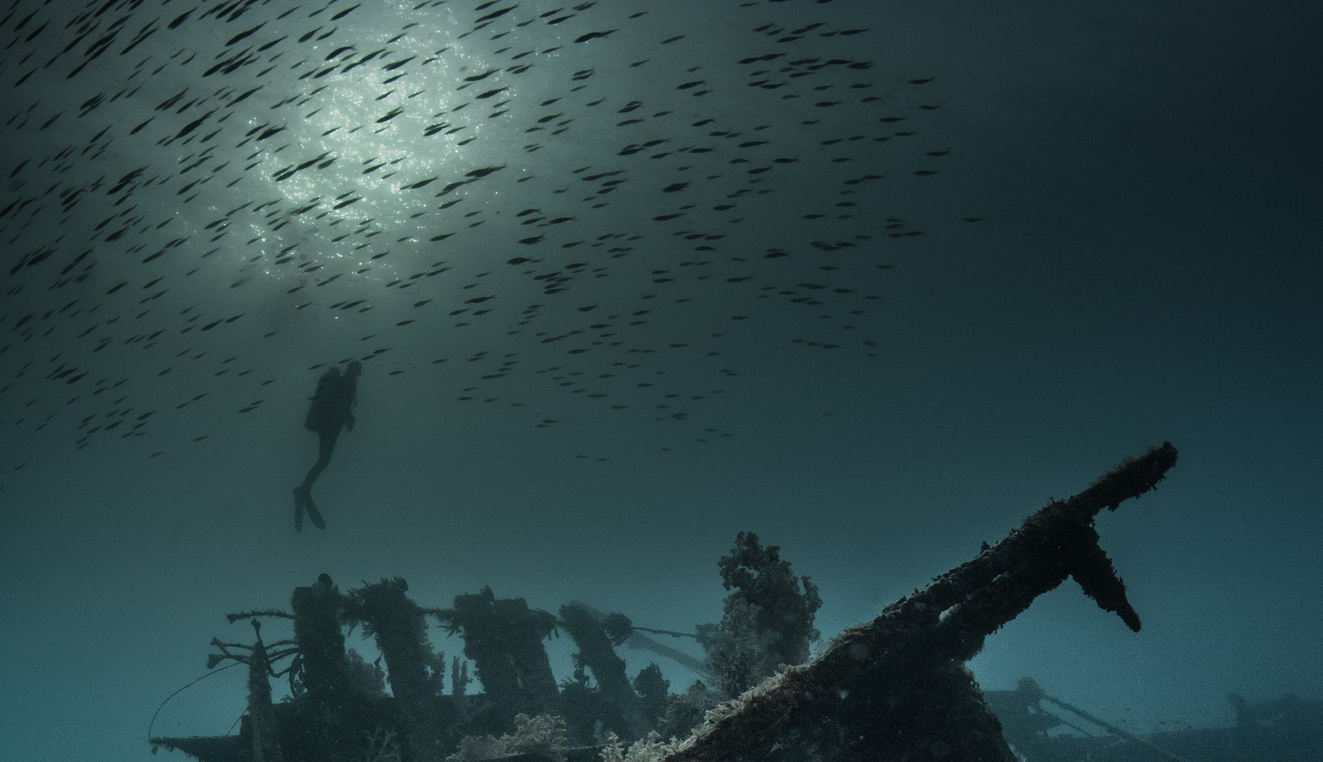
606, 284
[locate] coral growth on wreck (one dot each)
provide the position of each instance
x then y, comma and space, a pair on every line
768, 620
538, 739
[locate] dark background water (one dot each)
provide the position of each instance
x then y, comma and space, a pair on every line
1145, 269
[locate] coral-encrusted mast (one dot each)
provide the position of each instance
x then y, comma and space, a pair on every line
896, 688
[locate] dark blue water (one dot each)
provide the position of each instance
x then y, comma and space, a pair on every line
873, 280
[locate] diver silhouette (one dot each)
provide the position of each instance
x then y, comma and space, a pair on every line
331, 409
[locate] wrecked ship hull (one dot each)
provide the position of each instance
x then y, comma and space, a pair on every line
894, 688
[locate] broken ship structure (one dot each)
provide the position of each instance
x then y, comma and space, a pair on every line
893, 688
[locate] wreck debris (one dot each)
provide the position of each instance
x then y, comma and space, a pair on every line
459, 677
621, 630
1026, 723
1287, 728
1036, 692
260, 725
331, 717
596, 654
503, 638
397, 624
320, 665
895, 688
265, 744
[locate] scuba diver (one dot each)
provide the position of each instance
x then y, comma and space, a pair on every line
331, 409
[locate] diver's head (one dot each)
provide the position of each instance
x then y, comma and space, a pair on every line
353, 369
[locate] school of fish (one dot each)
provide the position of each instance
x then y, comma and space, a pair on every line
602, 201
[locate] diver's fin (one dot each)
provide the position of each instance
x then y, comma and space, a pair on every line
313, 513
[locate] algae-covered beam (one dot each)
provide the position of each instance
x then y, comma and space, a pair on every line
1130, 478
320, 641
401, 634
895, 687
262, 730
503, 637
595, 653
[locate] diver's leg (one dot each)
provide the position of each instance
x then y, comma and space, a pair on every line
303, 492
325, 448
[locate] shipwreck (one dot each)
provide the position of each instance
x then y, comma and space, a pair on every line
893, 688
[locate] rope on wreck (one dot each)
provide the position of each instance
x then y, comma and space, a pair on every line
176, 693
